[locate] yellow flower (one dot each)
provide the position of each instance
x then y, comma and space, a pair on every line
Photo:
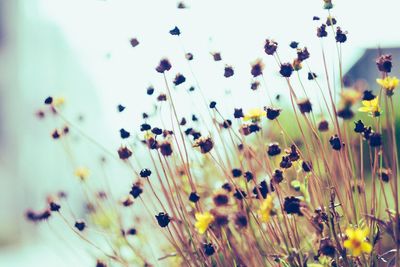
82, 173
203, 220
371, 106
59, 101
388, 83
264, 212
356, 241
350, 96
254, 114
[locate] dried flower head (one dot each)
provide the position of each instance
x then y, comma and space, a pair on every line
205, 144
257, 68
384, 63
270, 46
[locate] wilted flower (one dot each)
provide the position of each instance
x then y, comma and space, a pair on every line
270, 46
286, 70
205, 144
163, 219
340, 35
335, 142
273, 113
321, 31
209, 249
134, 42
384, 63
163, 66
292, 205
257, 68
228, 71
304, 106
323, 126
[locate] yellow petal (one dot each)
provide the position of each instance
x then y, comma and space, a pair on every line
364, 109
366, 103
347, 243
366, 247
349, 233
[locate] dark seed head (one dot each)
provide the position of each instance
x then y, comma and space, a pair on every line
241, 220
294, 44
144, 173
249, 176
277, 176
136, 190
208, 249
270, 46
359, 126
368, 95
236, 173
163, 66
163, 219
48, 100
285, 162
292, 206
124, 134
175, 31
273, 113
228, 71
179, 79
54, 206
323, 126
375, 140
134, 42
286, 70
307, 166
80, 225
321, 31
238, 113
194, 197
305, 106
124, 153
384, 63
220, 199
335, 142
273, 149
311, 76
213, 104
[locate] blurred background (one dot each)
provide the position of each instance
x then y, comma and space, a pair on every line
80, 50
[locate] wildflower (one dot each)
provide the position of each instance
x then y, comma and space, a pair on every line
194, 197
82, 173
292, 206
270, 46
163, 66
273, 149
321, 31
228, 71
307, 166
134, 42
286, 70
120, 108
162, 97
311, 76
38, 216
277, 176
385, 174
257, 68
261, 188
327, 248
359, 126
128, 201
304, 106
266, 209
323, 126
175, 31
254, 85
330, 21
345, 113
293, 44
145, 173
254, 115
389, 84
156, 131
238, 113
220, 199
335, 142
273, 113
375, 139
328, 4
124, 153
163, 219
297, 64
189, 56
166, 148
145, 127
220, 219
217, 56
302, 54
80, 225
213, 104
227, 187
54, 206
350, 96
340, 36
285, 162
208, 249
239, 194
368, 95
179, 79
371, 106
384, 63
100, 263
293, 153
241, 220
124, 134
55, 134
136, 190
249, 176
356, 241
205, 144
203, 220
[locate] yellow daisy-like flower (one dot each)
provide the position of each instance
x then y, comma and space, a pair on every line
350, 96
356, 241
264, 212
254, 114
82, 173
59, 101
203, 220
371, 106
389, 84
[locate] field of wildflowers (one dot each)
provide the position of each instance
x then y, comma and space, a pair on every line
311, 184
